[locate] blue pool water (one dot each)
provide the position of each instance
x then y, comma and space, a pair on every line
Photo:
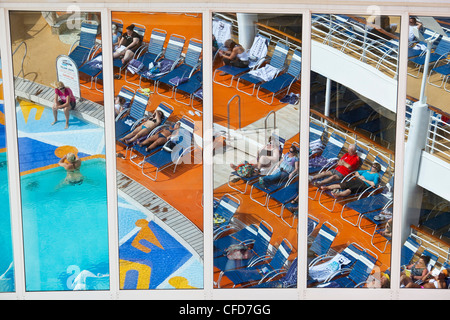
6, 254
65, 228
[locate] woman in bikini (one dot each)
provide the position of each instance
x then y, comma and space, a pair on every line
160, 138
144, 129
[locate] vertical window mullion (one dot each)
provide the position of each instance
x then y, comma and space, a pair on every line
12, 155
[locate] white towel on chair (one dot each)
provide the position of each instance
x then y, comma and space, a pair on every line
266, 73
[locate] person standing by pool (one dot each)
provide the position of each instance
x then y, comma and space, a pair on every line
72, 166
64, 100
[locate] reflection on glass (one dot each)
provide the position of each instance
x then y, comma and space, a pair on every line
158, 109
426, 217
6, 254
256, 90
352, 139
61, 151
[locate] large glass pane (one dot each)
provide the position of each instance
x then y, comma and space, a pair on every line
158, 107
352, 140
61, 151
6, 250
426, 218
256, 90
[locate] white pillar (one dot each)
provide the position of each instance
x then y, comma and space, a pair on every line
246, 28
412, 193
327, 97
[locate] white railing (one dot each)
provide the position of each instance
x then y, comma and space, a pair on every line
358, 40
438, 138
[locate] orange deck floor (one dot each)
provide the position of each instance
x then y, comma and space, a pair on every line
184, 188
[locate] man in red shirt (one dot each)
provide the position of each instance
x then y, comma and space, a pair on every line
348, 163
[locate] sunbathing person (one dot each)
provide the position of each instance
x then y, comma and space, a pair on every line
266, 157
348, 163
144, 129
364, 179
161, 137
285, 169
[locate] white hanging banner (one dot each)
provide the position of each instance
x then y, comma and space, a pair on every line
67, 73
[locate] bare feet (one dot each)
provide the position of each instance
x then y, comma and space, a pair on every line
54, 122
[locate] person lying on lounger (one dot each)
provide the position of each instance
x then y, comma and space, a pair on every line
144, 129
364, 179
348, 163
285, 169
161, 137
267, 156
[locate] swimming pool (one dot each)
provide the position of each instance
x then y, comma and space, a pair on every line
65, 228
6, 254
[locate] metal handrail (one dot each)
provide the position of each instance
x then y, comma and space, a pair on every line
23, 58
228, 112
265, 123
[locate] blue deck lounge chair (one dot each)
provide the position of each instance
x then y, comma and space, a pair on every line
329, 155
441, 51
92, 68
281, 198
315, 131
357, 276
277, 62
362, 206
224, 212
184, 147
167, 111
140, 30
152, 52
86, 44
289, 279
437, 222
223, 239
170, 59
259, 249
444, 71
236, 71
323, 241
323, 267
134, 117
356, 115
182, 71
409, 249
189, 88
284, 81
261, 269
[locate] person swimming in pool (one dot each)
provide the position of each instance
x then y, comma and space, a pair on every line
72, 166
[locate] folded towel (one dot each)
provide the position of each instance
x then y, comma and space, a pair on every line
177, 80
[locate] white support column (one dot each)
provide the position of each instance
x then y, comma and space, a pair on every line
247, 29
327, 97
412, 193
